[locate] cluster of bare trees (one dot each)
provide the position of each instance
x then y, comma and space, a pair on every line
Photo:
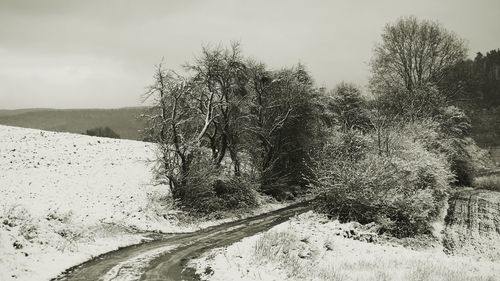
231, 116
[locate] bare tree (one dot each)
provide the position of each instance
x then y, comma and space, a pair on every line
414, 56
171, 124
281, 123
221, 75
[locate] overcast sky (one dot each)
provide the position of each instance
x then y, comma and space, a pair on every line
88, 54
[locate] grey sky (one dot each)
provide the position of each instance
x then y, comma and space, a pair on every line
86, 54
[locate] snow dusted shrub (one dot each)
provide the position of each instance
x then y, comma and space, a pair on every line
161, 203
58, 215
18, 217
402, 190
69, 236
29, 230
15, 215
467, 160
448, 134
482, 159
349, 146
235, 192
221, 194
212, 191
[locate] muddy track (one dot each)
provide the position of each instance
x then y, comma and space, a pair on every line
166, 257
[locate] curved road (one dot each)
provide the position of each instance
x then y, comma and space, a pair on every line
166, 257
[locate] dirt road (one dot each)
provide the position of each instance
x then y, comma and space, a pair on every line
166, 257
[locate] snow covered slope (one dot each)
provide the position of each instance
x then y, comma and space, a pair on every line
97, 179
65, 197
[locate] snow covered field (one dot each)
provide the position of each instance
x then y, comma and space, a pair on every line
311, 247
65, 198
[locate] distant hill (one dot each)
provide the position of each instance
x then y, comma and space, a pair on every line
123, 121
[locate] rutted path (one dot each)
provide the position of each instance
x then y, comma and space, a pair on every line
165, 258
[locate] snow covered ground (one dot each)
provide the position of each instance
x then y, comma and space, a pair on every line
311, 247
65, 198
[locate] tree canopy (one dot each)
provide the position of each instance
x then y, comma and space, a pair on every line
231, 111
412, 61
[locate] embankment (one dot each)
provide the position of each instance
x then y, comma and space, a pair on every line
473, 224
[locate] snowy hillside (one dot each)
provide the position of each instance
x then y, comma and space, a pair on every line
98, 179
65, 197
